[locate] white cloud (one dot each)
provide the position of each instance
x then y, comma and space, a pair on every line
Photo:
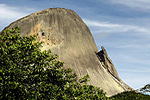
131, 59
134, 46
136, 81
142, 70
9, 14
137, 46
138, 4
111, 27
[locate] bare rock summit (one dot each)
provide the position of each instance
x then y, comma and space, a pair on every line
65, 33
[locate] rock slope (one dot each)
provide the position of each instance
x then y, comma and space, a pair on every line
65, 33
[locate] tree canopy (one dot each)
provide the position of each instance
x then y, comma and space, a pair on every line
130, 95
145, 89
26, 72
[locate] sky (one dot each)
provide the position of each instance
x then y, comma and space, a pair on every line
121, 26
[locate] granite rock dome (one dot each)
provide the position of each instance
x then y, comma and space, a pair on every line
65, 33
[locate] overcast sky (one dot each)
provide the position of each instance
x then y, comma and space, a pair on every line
121, 26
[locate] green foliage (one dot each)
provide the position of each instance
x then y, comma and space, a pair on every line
28, 73
130, 95
145, 89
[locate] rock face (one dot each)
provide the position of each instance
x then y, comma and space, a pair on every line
64, 32
107, 63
